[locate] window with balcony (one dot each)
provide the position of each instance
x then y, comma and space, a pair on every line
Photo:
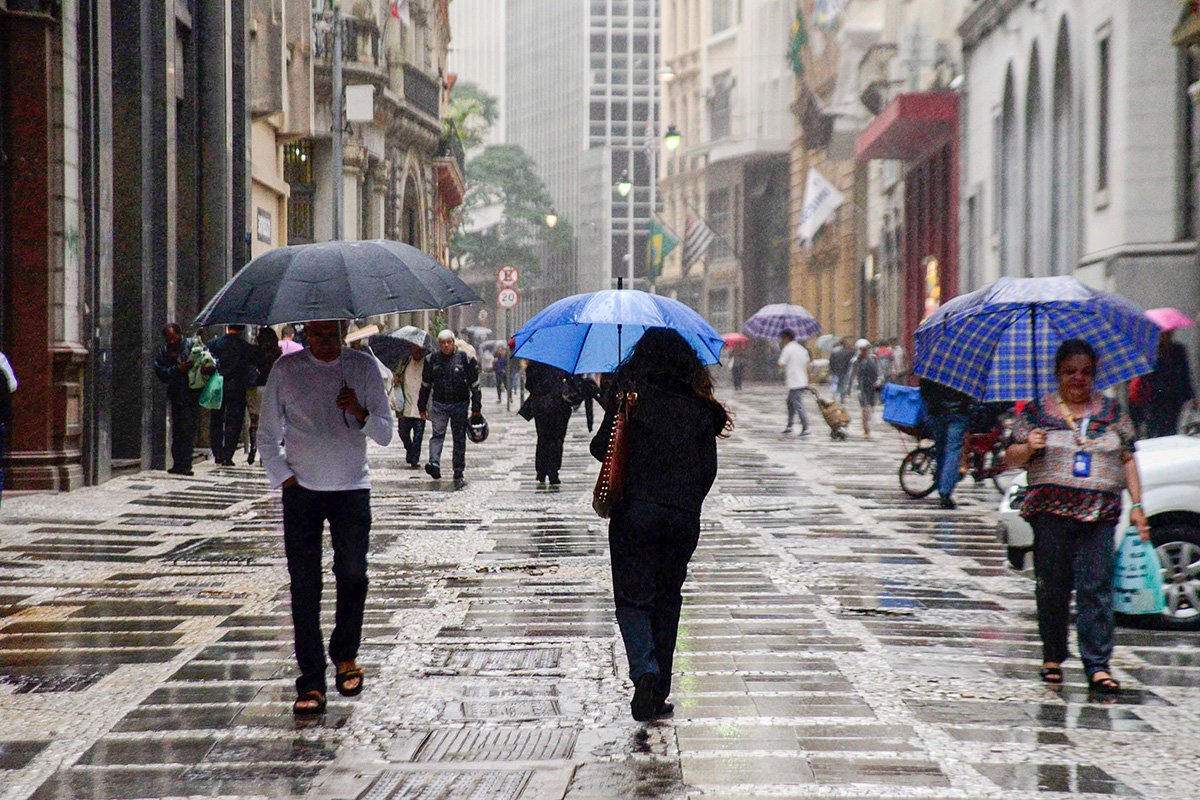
298, 172
720, 106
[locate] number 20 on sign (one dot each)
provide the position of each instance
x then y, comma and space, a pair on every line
507, 298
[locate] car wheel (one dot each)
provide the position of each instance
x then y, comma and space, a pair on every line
918, 472
1178, 546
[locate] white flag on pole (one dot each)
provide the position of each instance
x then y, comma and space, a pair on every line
821, 199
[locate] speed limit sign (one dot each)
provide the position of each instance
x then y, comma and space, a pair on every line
507, 298
508, 276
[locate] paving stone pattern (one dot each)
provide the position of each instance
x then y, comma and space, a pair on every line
839, 640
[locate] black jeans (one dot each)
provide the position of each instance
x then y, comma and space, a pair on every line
304, 515
1068, 553
650, 547
501, 385
551, 431
412, 433
225, 424
454, 416
185, 422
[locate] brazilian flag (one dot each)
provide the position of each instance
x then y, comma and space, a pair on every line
659, 245
796, 45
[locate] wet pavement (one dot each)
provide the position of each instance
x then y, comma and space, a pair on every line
839, 640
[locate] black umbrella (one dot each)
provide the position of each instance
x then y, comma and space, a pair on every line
335, 280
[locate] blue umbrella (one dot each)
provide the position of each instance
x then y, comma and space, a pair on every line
998, 343
770, 321
594, 332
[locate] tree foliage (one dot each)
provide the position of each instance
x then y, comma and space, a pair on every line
473, 112
501, 182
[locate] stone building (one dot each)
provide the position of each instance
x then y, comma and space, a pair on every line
728, 95
123, 187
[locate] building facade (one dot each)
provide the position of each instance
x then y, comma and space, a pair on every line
728, 95
122, 196
1080, 147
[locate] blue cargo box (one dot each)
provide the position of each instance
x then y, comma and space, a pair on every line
902, 405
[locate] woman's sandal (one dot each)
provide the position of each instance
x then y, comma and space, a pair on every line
1105, 685
342, 678
312, 696
1052, 675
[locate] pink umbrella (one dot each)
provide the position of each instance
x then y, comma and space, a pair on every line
735, 340
1170, 319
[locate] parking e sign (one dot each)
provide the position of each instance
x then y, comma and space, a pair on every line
507, 298
508, 276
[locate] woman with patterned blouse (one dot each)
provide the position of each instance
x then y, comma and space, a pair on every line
1077, 446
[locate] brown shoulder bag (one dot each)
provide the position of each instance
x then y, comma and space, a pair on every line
610, 484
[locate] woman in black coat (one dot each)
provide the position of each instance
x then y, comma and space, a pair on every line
671, 453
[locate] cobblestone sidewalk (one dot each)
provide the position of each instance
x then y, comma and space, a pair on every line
839, 640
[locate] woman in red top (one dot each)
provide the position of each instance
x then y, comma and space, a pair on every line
1077, 446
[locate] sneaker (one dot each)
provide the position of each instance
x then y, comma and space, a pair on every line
433, 472
787, 431
554, 481
804, 434
642, 706
460, 482
948, 503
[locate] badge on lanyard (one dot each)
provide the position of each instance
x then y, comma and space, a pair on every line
1083, 464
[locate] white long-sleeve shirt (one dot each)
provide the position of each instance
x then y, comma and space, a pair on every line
301, 431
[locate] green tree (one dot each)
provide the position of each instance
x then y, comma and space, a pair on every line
473, 112
502, 177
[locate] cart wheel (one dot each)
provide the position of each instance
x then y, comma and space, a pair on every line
838, 434
918, 472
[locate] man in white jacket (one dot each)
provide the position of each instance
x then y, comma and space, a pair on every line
319, 408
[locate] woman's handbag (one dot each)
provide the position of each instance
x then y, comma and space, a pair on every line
610, 483
214, 392
1137, 577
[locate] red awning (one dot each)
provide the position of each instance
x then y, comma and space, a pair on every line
910, 126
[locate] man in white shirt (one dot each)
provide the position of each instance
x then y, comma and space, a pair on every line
794, 359
312, 435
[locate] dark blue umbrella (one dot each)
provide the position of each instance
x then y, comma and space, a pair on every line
594, 332
335, 280
998, 343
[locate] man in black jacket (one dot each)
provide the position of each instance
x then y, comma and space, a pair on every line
172, 364
949, 415
450, 383
236, 361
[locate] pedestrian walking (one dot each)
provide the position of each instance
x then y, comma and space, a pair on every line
319, 408
839, 369
236, 360
1077, 447
549, 403
287, 340
449, 384
8, 385
795, 360
500, 370
174, 366
737, 371
863, 376
267, 351
1156, 399
406, 393
949, 416
671, 463
899, 361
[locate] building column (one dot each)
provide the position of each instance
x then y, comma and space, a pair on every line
50, 393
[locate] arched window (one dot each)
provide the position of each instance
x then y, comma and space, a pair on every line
1064, 167
1008, 189
1036, 182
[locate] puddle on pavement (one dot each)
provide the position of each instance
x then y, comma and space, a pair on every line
1065, 778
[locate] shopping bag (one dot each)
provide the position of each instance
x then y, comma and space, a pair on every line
214, 392
1137, 577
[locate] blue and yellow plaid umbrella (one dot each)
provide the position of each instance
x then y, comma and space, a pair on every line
998, 343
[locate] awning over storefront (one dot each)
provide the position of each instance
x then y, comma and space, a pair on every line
910, 126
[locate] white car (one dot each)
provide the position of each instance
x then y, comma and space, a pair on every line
1170, 472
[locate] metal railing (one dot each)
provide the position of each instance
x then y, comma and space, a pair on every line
451, 146
421, 91
361, 40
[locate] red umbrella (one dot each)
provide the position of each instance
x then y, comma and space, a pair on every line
735, 340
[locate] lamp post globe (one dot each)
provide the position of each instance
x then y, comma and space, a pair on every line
624, 185
551, 218
672, 138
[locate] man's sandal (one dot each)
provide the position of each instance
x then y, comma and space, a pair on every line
1052, 675
1105, 685
314, 697
342, 678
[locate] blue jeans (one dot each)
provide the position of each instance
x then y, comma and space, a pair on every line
454, 416
1070, 554
650, 547
949, 430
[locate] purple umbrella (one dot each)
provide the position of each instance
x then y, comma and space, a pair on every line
770, 321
